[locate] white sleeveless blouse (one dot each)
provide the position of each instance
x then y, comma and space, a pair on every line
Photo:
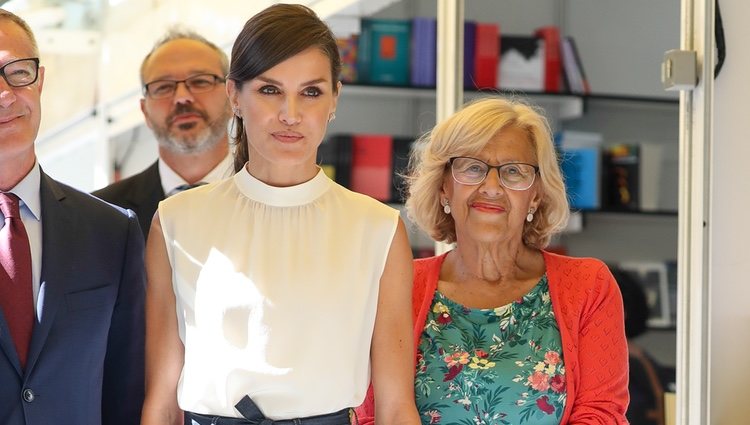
276, 293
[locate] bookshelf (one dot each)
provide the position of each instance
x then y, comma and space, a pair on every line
621, 55
612, 235
410, 111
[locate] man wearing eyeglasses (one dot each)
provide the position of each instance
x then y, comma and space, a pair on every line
185, 105
72, 280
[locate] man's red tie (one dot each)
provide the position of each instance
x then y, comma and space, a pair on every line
16, 297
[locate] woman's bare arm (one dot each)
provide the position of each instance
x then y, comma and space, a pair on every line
164, 349
392, 345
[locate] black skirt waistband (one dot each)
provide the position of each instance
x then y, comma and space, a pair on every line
253, 416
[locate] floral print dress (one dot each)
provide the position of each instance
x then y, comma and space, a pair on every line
491, 366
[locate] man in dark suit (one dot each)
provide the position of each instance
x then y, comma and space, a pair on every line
185, 105
72, 280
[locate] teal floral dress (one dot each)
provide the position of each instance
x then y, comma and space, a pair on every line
491, 366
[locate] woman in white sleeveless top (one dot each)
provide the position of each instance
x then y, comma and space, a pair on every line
274, 295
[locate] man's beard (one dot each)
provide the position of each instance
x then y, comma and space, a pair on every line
194, 143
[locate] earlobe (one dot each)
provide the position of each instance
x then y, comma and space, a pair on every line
232, 94
445, 189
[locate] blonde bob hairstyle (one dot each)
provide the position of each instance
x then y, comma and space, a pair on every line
466, 133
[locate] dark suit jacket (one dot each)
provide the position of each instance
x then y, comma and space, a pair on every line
140, 193
86, 357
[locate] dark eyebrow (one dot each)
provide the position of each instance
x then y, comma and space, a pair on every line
278, 83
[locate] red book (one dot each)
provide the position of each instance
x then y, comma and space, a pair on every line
552, 58
486, 55
371, 165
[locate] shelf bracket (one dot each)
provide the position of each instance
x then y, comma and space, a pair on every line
679, 70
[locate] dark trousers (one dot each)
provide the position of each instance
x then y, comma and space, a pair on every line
253, 416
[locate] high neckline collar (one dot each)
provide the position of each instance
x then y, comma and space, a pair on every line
290, 196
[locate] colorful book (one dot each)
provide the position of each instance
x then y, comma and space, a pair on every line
620, 186
486, 55
575, 77
423, 52
372, 156
383, 52
338, 151
581, 168
470, 40
522, 63
552, 60
326, 158
632, 173
348, 52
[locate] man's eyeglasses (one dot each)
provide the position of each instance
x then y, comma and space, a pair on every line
21, 72
200, 83
513, 175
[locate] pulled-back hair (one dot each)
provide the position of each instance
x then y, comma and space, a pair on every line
270, 37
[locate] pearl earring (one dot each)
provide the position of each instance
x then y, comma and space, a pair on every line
530, 215
446, 207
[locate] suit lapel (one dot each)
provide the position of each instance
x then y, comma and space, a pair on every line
148, 190
58, 227
144, 195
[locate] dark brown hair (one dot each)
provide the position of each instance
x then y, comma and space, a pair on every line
270, 37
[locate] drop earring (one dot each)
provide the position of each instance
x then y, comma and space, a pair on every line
446, 207
331, 116
530, 215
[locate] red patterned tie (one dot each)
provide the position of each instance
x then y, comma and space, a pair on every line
16, 297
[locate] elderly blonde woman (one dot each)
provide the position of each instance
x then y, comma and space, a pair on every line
506, 332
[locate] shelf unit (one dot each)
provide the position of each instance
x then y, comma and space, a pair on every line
621, 44
408, 111
560, 105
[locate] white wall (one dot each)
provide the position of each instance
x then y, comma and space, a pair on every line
632, 35
729, 232
98, 67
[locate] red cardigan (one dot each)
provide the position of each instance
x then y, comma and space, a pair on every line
588, 308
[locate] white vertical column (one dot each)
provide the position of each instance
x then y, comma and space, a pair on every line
693, 321
450, 57
450, 65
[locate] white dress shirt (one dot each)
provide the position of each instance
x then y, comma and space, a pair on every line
171, 180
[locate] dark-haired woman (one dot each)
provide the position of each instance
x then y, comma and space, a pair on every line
288, 289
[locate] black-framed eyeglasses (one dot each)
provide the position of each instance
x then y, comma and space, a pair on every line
21, 72
513, 175
199, 83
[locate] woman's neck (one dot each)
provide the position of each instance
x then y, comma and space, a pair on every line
496, 263
282, 176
